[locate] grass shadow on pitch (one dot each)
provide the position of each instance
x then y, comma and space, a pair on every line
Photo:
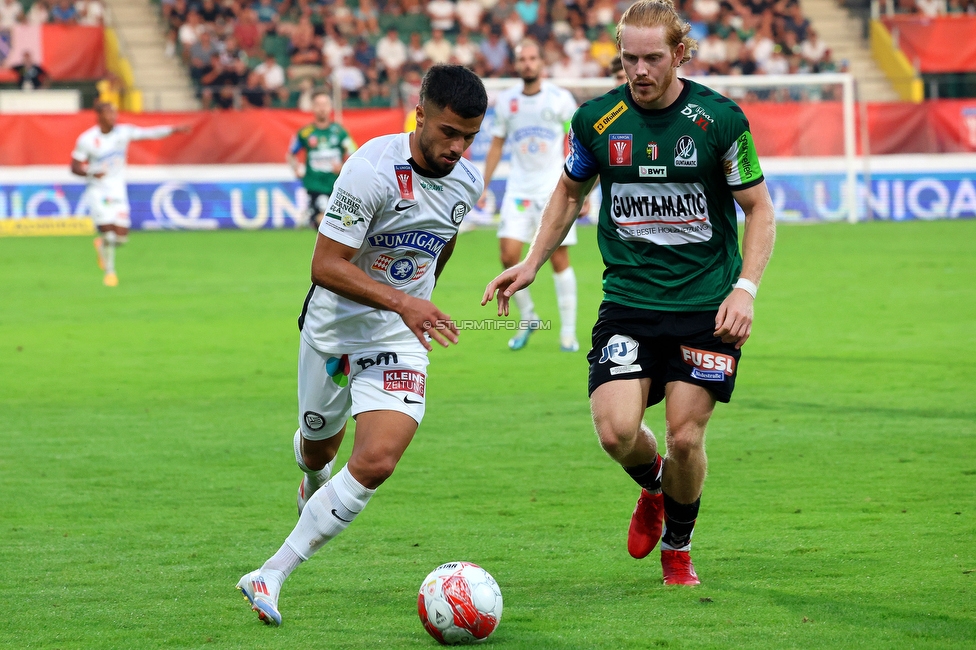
893, 624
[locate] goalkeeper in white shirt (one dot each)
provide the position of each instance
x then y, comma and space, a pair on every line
99, 156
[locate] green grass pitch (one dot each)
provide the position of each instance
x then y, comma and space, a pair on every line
146, 463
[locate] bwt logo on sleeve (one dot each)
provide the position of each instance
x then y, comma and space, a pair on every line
708, 366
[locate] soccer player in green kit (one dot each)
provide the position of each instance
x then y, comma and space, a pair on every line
672, 157
327, 146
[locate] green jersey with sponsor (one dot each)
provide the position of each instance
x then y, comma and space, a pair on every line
324, 153
667, 226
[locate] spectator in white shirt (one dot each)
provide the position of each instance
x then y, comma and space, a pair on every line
11, 11
271, 73
441, 14
565, 68
391, 52
336, 48
590, 68
38, 13
190, 31
713, 53
762, 46
351, 79
813, 49
577, 46
931, 8
707, 9
415, 50
469, 14
90, 12
438, 48
514, 29
777, 63
464, 51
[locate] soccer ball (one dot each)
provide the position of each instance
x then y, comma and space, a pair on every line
459, 603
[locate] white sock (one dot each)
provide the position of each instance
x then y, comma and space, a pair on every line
523, 300
108, 250
314, 479
327, 513
566, 299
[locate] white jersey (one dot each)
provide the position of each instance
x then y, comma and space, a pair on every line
400, 221
535, 127
106, 152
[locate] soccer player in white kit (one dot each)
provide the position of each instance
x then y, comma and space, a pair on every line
534, 118
99, 156
367, 322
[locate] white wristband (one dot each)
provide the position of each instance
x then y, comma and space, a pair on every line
748, 286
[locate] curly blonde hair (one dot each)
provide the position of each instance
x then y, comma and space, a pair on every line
654, 13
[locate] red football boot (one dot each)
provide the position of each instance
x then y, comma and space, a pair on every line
645, 524
678, 569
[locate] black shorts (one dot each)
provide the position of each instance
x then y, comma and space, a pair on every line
631, 343
318, 203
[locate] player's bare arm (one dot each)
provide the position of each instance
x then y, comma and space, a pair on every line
492, 159
444, 257
333, 270
558, 217
297, 166
733, 322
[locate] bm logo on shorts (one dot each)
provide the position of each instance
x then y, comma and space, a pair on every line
381, 359
620, 349
708, 366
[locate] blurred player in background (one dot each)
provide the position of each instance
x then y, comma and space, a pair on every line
534, 116
99, 156
674, 156
327, 145
617, 71
367, 321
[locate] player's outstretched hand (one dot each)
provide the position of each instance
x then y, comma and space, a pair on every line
733, 322
482, 200
425, 319
506, 284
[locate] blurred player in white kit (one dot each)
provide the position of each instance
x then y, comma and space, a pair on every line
99, 156
534, 118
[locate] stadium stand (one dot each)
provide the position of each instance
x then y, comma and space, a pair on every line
373, 50
227, 54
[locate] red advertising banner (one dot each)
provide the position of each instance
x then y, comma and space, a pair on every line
933, 45
67, 52
263, 135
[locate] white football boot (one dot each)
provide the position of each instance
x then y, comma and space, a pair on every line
263, 596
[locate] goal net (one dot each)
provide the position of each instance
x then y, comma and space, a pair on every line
804, 127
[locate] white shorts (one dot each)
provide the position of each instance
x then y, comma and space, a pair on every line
520, 220
331, 387
107, 211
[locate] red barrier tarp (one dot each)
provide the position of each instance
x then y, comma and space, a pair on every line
934, 45
263, 135
253, 136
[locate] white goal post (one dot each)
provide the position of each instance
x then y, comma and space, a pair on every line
592, 87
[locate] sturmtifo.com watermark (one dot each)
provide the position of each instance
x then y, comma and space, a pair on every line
491, 324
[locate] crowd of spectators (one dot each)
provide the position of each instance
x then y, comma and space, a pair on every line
929, 8
243, 53
62, 12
